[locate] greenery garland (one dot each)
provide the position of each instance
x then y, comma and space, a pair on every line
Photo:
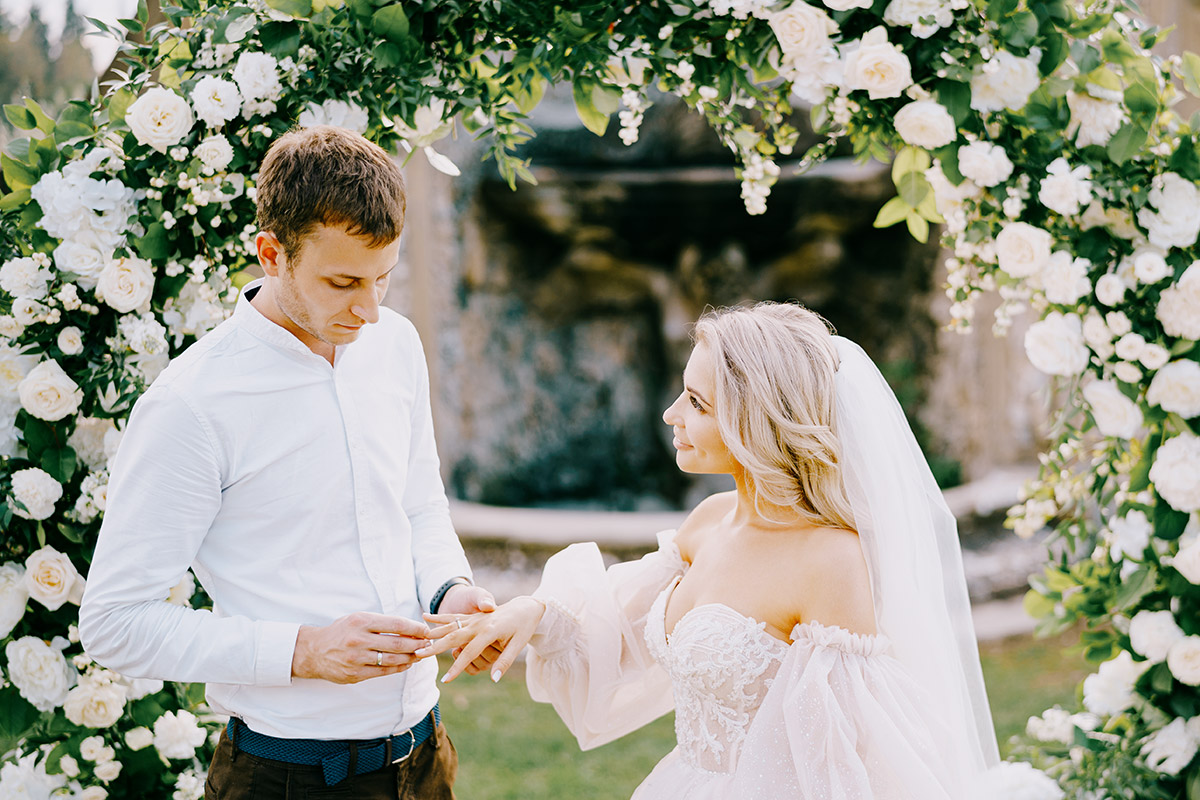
1040, 134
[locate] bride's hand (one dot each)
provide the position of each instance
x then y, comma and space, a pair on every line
480, 640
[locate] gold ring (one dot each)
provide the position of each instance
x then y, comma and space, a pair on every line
379, 658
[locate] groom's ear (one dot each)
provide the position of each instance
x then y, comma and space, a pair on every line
271, 256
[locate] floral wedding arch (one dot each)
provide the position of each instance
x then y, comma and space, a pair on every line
1039, 133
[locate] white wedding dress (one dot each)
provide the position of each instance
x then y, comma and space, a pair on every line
830, 715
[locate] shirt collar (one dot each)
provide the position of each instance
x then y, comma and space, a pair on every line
245, 315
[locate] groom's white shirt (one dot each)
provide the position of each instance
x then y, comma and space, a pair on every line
298, 492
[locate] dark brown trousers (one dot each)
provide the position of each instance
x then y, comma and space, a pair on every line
428, 774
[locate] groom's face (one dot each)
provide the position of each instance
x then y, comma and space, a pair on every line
334, 285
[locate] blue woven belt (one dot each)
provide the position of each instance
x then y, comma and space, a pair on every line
338, 758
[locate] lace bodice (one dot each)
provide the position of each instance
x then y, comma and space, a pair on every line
721, 665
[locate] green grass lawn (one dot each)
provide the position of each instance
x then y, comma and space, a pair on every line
511, 748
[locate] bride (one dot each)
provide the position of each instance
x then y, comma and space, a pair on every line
811, 630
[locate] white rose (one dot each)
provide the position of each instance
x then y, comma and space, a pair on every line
39, 672
1066, 190
1152, 633
215, 153
1115, 414
26, 311
803, 32
1176, 388
1004, 82
14, 366
139, 739
95, 704
13, 596
1171, 748
52, 579
137, 688
257, 76
94, 793
177, 735
878, 66
1184, 660
1118, 323
1130, 346
1176, 472
925, 123
9, 327
1022, 250
22, 277
1065, 279
1127, 372
1110, 690
108, 771
1187, 562
126, 284
87, 440
70, 341
1154, 356
92, 748
69, 766
1176, 220
1149, 266
25, 778
36, 491
48, 393
1055, 344
1095, 121
81, 256
1179, 305
984, 163
1110, 289
159, 118
1010, 780
846, 5
216, 100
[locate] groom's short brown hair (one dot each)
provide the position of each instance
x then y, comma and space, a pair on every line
325, 175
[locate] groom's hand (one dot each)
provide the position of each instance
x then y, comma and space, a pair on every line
464, 599
358, 647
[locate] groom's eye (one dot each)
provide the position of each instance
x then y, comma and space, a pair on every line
337, 285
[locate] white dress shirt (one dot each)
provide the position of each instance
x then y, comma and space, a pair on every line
298, 492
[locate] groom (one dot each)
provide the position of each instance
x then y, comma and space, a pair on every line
288, 459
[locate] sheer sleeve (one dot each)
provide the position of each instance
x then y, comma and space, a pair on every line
589, 657
843, 719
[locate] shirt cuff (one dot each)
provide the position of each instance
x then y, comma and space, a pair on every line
274, 652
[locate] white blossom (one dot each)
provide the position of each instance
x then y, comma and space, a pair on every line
177, 734
1110, 690
1174, 220
159, 118
36, 491
1179, 305
1152, 633
1115, 414
216, 100
39, 671
986, 164
1005, 81
1066, 190
1176, 472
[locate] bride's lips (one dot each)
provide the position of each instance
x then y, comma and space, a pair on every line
680, 445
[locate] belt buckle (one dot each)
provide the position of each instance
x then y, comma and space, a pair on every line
412, 745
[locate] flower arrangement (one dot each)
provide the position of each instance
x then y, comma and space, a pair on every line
1039, 135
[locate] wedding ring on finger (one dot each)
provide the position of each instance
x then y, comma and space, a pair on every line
458, 622
379, 658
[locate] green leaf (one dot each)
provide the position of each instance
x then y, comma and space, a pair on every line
893, 211
1086, 57
1160, 679
39, 435
1021, 29
529, 91
44, 123
948, 156
1141, 100
1139, 477
1134, 588
1168, 523
913, 188
120, 102
1055, 50
60, 463
956, 97
1193, 782
17, 175
297, 8
918, 226
1037, 605
909, 160
43, 153
1115, 48
585, 107
1191, 73
607, 99
391, 21
1185, 161
20, 117
1127, 142
16, 718
280, 39
14, 200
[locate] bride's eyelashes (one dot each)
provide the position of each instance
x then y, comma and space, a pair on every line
696, 403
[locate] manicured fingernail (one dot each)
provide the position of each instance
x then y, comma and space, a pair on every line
496, 675
445, 678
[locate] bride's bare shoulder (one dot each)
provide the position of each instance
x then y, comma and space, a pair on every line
835, 588
703, 518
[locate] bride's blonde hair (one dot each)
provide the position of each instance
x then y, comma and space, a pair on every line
775, 366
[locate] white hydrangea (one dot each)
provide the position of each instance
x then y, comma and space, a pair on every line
93, 497
1004, 81
1176, 472
36, 491
24, 277
143, 334
39, 671
1179, 305
1066, 190
1176, 388
984, 163
76, 206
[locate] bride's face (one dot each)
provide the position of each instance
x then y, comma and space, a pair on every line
692, 417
